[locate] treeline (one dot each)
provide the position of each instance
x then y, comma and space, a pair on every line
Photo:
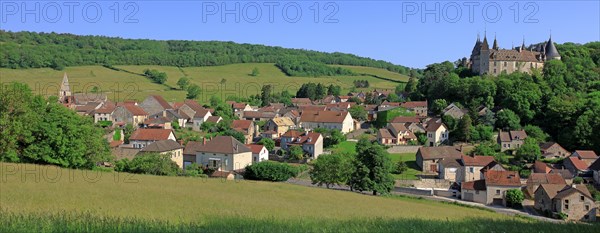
42, 131
563, 99
304, 67
37, 50
156, 76
316, 91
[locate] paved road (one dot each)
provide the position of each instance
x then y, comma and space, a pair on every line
527, 211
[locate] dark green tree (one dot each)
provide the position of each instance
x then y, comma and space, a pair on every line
331, 169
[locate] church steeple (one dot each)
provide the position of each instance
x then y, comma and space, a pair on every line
495, 46
523, 44
65, 89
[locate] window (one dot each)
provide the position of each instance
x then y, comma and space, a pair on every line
587, 207
581, 198
495, 63
505, 64
566, 201
498, 192
471, 169
566, 206
495, 71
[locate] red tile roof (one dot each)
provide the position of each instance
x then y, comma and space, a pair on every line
502, 178
414, 104
303, 108
578, 163
550, 178
323, 116
479, 161
150, 134
586, 154
402, 119
474, 185
135, 110
255, 148
541, 167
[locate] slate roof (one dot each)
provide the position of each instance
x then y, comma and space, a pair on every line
223, 145
162, 146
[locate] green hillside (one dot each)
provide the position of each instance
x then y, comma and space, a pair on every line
123, 85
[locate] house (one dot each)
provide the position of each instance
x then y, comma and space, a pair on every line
437, 133
418, 107
595, 168
176, 116
454, 111
155, 104
541, 167
105, 113
395, 134
492, 189
575, 201
245, 127
279, 125
311, 143
341, 121
158, 123
587, 156
87, 109
129, 113
575, 165
553, 150
450, 169
223, 153
166, 147
239, 108
472, 166
511, 140
293, 114
258, 115
259, 153
536, 179
190, 151
428, 158
141, 138
200, 116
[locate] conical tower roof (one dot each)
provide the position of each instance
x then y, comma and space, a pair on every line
477, 46
64, 86
485, 45
551, 51
495, 46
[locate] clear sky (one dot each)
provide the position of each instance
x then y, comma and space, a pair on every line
402, 32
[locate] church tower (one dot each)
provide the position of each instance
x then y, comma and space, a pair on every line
65, 90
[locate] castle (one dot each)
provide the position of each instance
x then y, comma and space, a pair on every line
493, 61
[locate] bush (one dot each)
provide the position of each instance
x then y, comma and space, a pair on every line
514, 198
577, 180
153, 164
524, 173
400, 168
270, 171
595, 192
192, 170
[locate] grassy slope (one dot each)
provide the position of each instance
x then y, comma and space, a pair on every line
209, 78
192, 199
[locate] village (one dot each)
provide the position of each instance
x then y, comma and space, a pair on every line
553, 186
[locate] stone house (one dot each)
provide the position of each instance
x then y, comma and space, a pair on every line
428, 158
245, 127
279, 125
595, 168
418, 107
155, 104
472, 165
587, 156
553, 150
311, 143
575, 165
511, 140
536, 179
129, 113
223, 153
341, 121
454, 111
491, 190
166, 147
141, 138
573, 200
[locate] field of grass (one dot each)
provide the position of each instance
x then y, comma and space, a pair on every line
50, 199
346, 147
237, 81
383, 73
410, 160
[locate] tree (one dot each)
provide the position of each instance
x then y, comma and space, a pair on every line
255, 72
401, 167
183, 83
334, 90
373, 168
193, 91
463, 131
514, 197
270, 171
127, 131
268, 143
265, 95
411, 85
296, 152
153, 164
331, 169
507, 119
438, 106
482, 133
536, 133
529, 151
358, 113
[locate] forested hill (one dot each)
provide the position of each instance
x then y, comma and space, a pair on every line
34, 50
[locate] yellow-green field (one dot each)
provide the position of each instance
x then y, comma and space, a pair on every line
192, 199
237, 81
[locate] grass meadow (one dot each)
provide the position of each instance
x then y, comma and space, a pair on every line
49, 199
214, 80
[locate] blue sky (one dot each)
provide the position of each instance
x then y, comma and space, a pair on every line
394, 31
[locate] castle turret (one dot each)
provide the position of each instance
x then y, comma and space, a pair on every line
550, 51
495, 46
